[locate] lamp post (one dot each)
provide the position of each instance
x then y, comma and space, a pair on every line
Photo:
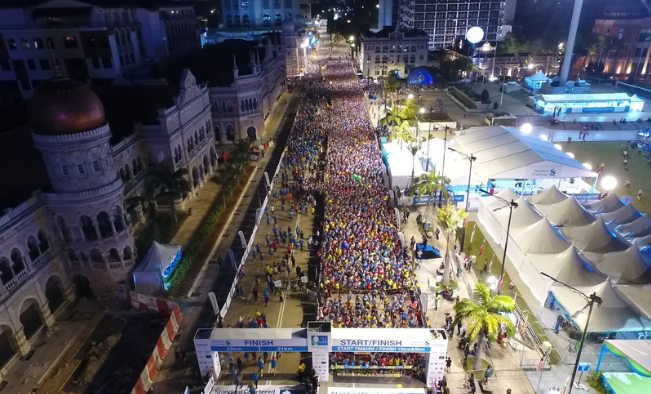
471, 159
512, 205
591, 300
429, 136
445, 148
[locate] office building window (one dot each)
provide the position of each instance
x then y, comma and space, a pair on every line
80, 168
11, 43
38, 44
49, 43
4, 64
95, 62
45, 64
24, 84
25, 44
31, 64
70, 42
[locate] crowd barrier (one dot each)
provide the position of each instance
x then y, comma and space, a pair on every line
145, 302
153, 366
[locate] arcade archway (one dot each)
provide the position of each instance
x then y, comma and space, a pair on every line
82, 286
7, 345
30, 317
54, 293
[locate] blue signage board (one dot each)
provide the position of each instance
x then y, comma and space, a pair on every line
584, 367
258, 348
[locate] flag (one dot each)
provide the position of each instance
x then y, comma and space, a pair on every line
472, 235
481, 248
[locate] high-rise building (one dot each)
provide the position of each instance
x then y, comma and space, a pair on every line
92, 41
257, 15
445, 21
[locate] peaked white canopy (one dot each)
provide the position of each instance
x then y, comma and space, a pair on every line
566, 213
505, 153
568, 266
637, 228
630, 266
609, 204
540, 238
596, 238
539, 76
148, 276
550, 196
507, 194
637, 296
614, 314
524, 215
623, 215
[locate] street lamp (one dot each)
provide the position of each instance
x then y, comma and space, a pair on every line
525, 128
591, 300
471, 159
429, 135
445, 148
512, 205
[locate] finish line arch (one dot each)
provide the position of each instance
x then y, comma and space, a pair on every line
320, 339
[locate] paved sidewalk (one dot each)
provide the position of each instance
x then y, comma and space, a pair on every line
504, 359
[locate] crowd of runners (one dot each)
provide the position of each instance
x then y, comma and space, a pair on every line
366, 276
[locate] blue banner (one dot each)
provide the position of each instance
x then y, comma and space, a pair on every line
258, 348
390, 349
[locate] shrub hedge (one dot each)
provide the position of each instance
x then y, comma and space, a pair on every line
198, 248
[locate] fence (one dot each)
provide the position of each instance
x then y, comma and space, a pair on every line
145, 302
149, 373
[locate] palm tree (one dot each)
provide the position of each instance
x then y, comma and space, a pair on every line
170, 184
402, 132
482, 317
226, 173
448, 218
429, 184
392, 117
147, 201
240, 153
413, 149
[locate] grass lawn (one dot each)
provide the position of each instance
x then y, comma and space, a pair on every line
468, 366
606, 152
472, 248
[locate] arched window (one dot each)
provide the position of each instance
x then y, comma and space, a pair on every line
377, 58
229, 20
43, 242
135, 166
405, 58
88, 228
230, 133
242, 109
104, 225
32, 245
96, 256
63, 228
127, 172
413, 58
118, 219
114, 256
72, 255
196, 138
377, 48
17, 262
6, 273
255, 103
128, 254
139, 163
224, 105
413, 48
245, 20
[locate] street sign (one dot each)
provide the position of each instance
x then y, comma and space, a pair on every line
584, 367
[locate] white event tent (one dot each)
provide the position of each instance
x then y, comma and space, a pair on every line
614, 314
640, 227
596, 238
569, 267
550, 196
623, 215
159, 261
606, 205
505, 153
566, 213
628, 266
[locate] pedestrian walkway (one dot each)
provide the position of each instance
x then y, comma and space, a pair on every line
504, 359
197, 208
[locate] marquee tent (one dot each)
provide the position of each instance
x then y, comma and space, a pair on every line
524, 215
507, 194
566, 213
487, 214
614, 314
537, 80
540, 238
550, 196
623, 215
630, 266
640, 227
457, 166
596, 238
637, 296
401, 163
149, 277
606, 205
505, 153
568, 267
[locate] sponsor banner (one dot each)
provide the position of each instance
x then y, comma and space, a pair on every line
381, 345
175, 325
260, 390
258, 345
373, 390
209, 386
166, 338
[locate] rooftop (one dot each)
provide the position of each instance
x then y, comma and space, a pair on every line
407, 33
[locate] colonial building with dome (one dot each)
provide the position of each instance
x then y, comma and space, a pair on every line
65, 231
